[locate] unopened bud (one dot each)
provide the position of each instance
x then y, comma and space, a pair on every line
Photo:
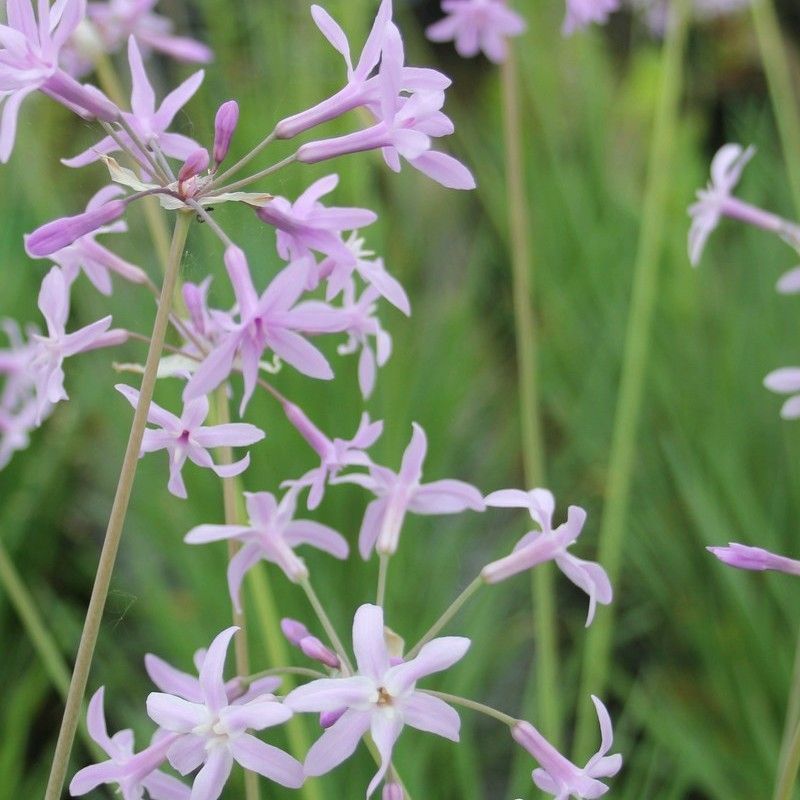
328, 718
294, 631
194, 165
393, 791
313, 648
224, 127
61, 233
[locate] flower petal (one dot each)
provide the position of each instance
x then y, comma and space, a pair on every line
428, 713
338, 743
266, 760
369, 642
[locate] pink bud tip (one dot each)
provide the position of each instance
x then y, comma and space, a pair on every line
328, 718
61, 233
294, 631
392, 791
194, 165
313, 648
224, 128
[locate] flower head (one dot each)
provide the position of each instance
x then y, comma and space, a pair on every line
558, 775
477, 25
754, 558
381, 698
186, 437
271, 535
212, 732
547, 544
581, 13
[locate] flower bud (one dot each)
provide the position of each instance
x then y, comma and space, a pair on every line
328, 718
61, 233
294, 631
392, 791
194, 165
224, 127
313, 648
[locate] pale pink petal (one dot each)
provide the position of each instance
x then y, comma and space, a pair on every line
783, 381
211, 679
238, 567
369, 642
331, 30
211, 779
338, 743
444, 169
331, 694
175, 101
266, 760
256, 715
187, 753
232, 434
414, 456
317, 535
174, 713
385, 728
161, 786
301, 354
171, 680
371, 526
435, 656
446, 497
143, 98
428, 713
96, 721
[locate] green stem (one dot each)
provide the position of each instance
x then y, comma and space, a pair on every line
787, 776
326, 623
383, 569
451, 611
245, 160
116, 522
236, 185
637, 345
487, 711
519, 223
267, 673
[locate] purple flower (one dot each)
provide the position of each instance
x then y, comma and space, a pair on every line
133, 773
272, 535
149, 123
299, 636
581, 13
754, 558
29, 53
306, 225
404, 125
477, 25
335, 454
270, 321
789, 282
51, 350
401, 492
547, 544
786, 381
95, 260
224, 127
380, 698
558, 775
213, 732
187, 437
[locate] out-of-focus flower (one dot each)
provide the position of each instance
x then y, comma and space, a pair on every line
213, 732
581, 13
558, 775
150, 123
379, 698
187, 437
547, 544
786, 380
271, 535
401, 492
477, 25
657, 12
134, 773
754, 558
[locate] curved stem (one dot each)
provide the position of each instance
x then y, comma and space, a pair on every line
488, 711
634, 365
326, 623
453, 609
108, 555
232, 187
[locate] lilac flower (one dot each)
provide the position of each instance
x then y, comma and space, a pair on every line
379, 698
404, 126
224, 127
16, 426
335, 454
786, 381
51, 350
559, 776
789, 282
392, 791
133, 773
149, 123
186, 437
307, 225
754, 558
213, 732
272, 535
477, 25
271, 320
581, 13
95, 260
401, 492
29, 53
299, 636
547, 544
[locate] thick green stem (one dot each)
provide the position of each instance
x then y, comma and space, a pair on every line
116, 522
637, 346
787, 776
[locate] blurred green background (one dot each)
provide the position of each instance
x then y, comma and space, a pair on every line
703, 654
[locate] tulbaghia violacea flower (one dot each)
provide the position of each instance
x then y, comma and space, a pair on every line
401, 492
212, 731
380, 698
151, 124
187, 437
96, 261
29, 53
547, 544
335, 454
477, 25
558, 775
300, 637
271, 535
786, 380
269, 321
133, 773
581, 13
224, 127
50, 351
755, 558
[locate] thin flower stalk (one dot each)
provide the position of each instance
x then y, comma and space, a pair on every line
94, 613
473, 705
326, 623
634, 366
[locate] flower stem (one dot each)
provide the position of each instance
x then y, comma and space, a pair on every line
108, 555
787, 775
453, 609
245, 160
522, 263
488, 711
232, 187
383, 569
326, 623
629, 401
